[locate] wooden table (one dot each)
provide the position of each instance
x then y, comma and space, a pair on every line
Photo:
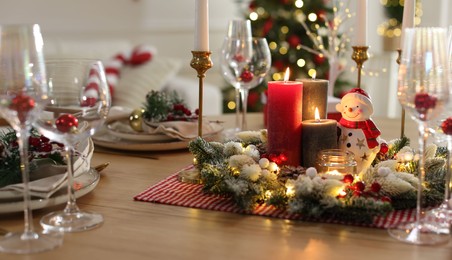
139, 230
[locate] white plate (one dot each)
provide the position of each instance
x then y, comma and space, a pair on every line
121, 129
86, 181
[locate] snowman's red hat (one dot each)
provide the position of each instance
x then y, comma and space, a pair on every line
360, 95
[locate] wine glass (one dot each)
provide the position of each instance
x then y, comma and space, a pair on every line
423, 90
239, 29
23, 93
442, 215
79, 104
245, 63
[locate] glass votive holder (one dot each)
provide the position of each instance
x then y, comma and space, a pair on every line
336, 162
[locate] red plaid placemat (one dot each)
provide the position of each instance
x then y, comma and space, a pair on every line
173, 192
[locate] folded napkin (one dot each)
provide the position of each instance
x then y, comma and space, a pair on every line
49, 178
180, 130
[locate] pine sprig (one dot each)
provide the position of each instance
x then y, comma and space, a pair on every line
205, 152
39, 148
157, 106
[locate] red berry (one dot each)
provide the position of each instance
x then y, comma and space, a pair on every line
386, 199
384, 148
247, 76
66, 122
375, 187
88, 102
446, 125
34, 141
47, 147
359, 186
348, 178
357, 193
424, 101
197, 111
239, 57
44, 139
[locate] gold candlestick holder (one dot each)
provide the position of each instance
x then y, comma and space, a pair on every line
360, 55
201, 62
402, 123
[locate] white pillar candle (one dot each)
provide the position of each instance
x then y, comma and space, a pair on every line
408, 18
201, 25
361, 23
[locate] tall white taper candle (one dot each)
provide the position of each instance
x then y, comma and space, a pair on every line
408, 17
361, 23
201, 25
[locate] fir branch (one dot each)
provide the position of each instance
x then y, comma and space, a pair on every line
205, 152
157, 106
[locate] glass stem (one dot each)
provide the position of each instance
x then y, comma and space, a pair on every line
423, 135
448, 184
22, 139
244, 95
237, 108
71, 205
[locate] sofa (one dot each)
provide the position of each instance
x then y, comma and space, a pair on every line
134, 82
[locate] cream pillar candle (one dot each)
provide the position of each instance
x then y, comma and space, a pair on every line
315, 95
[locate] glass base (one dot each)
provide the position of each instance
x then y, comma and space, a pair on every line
27, 243
441, 218
419, 233
230, 133
71, 222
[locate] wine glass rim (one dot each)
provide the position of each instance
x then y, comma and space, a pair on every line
246, 39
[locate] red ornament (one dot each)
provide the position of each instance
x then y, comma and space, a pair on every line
247, 76
424, 101
348, 178
268, 25
446, 125
293, 40
279, 65
22, 104
66, 122
319, 59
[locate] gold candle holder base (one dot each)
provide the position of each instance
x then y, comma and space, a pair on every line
402, 123
201, 62
360, 55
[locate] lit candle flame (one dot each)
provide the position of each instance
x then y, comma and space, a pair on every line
317, 115
287, 75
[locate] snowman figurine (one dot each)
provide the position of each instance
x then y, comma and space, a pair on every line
358, 133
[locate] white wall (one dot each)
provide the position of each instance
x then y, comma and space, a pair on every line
168, 25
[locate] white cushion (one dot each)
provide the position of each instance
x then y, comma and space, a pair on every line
136, 81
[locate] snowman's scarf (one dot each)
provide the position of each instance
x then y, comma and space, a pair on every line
369, 128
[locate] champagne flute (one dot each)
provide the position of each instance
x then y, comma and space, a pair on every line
245, 63
79, 104
423, 90
23, 93
240, 29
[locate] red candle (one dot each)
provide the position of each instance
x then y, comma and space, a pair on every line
284, 119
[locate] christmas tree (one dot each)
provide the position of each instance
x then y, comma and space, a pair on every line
297, 31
